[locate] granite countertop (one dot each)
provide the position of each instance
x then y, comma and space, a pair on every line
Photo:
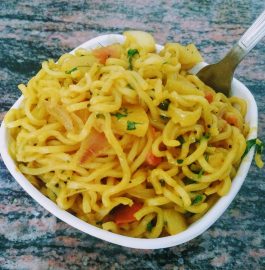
32, 31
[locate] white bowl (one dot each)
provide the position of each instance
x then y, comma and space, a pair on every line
197, 228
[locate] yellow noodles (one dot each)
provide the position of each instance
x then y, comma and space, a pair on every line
126, 139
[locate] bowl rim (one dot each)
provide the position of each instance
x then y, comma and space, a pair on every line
193, 230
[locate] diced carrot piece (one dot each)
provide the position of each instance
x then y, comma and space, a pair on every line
113, 51
153, 160
125, 214
209, 96
232, 120
92, 146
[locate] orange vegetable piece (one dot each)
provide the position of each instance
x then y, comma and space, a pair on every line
125, 214
92, 146
232, 120
209, 96
113, 51
153, 160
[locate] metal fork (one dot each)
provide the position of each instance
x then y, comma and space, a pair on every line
219, 76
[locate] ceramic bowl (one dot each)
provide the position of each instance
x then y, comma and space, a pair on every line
197, 228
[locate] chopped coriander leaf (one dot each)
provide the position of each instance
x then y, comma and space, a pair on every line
259, 146
181, 139
200, 174
162, 182
197, 199
179, 161
164, 105
250, 144
206, 157
131, 53
188, 181
71, 70
119, 115
149, 226
132, 125
205, 136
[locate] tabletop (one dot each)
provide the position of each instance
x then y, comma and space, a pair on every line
32, 31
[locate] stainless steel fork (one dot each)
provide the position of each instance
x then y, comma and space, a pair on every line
219, 76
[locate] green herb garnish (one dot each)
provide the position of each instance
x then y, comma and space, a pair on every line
179, 161
206, 157
149, 226
71, 70
162, 182
205, 136
131, 53
122, 114
259, 146
131, 125
119, 115
188, 181
181, 139
197, 199
164, 105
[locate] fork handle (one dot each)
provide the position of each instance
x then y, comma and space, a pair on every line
249, 39
254, 34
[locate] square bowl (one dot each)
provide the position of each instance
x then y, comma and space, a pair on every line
195, 229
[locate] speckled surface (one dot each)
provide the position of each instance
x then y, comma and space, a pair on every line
31, 31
